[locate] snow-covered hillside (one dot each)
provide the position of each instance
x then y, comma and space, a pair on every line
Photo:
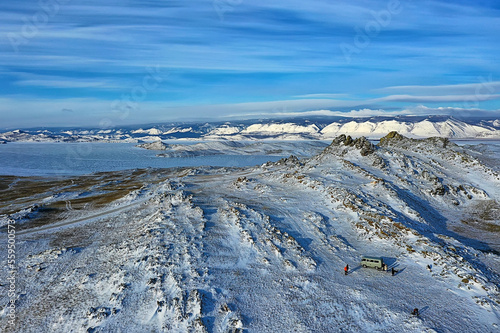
450, 128
280, 148
371, 128
262, 249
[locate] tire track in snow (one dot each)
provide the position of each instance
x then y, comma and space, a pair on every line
97, 215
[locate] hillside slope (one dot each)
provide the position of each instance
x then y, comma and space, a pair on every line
263, 249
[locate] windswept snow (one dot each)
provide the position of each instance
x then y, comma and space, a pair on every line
262, 249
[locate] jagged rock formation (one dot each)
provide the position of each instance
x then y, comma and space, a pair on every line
342, 144
394, 139
156, 145
292, 160
365, 147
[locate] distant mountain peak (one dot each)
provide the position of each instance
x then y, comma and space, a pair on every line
299, 128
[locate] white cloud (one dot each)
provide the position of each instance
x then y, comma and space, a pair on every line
322, 96
485, 86
326, 113
436, 98
53, 81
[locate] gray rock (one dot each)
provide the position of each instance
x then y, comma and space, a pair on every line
157, 145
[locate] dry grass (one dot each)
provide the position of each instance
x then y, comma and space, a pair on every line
76, 193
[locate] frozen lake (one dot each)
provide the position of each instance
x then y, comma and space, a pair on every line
52, 159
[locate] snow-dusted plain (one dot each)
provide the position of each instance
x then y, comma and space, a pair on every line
262, 249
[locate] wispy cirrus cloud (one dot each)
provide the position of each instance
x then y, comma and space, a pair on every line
322, 96
484, 85
65, 82
420, 110
436, 98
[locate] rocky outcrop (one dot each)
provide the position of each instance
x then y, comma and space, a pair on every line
364, 146
391, 137
157, 145
288, 161
395, 139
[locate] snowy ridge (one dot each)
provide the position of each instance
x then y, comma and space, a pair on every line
262, 249
240, 148
449, 128
151, 131
286, 129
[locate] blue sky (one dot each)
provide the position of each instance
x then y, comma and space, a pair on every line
111, 63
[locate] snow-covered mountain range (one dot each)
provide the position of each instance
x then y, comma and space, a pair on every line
322, 128
261, 249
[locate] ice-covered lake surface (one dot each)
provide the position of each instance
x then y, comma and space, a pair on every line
52, 159
49, 159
